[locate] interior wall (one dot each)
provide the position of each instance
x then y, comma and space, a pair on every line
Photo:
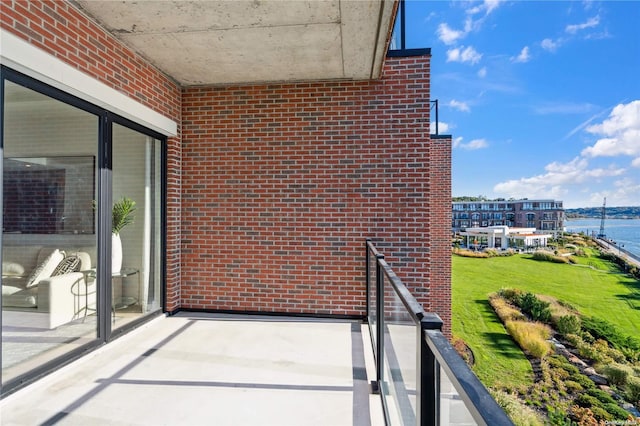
38, 126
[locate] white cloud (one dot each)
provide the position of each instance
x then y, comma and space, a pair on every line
460, 54
487, 7
443, 127
620, 131
482, 72
591, 22
460, 106
468, 25
491, 5
472, 145
524, 55
549, 45
557, 177
625, 192
447, 35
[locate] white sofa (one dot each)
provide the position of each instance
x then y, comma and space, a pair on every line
64, 297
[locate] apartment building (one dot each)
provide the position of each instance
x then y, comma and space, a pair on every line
544, 215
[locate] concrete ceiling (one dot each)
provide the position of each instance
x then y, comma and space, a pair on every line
238, 41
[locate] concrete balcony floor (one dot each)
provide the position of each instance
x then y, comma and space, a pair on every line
193, 369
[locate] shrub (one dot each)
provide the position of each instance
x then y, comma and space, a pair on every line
601, 414
510, 294
608, 353
559, 361
491, 252
574, 339
531, 337
587, 401
535, 308
573, 386
546, 256
505, 311
618, 374
583, 380
557, 416
582, 416
632, 355
519, 413
568, 324
470, 253
601, 329
633, 389
616, 411
601, 396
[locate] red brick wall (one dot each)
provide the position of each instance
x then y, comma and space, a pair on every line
283, 183
63, 31
439, 217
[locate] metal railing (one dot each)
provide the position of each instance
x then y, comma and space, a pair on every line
421, 378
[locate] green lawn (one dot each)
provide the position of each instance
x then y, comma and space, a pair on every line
611, 296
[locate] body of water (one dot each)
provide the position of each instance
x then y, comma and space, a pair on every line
623, 231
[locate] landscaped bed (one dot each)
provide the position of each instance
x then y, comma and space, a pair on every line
552, 381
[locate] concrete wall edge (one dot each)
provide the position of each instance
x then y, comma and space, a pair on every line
23, 57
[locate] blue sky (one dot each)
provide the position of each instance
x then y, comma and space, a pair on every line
542, 98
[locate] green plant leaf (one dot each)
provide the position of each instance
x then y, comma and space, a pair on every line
123, 214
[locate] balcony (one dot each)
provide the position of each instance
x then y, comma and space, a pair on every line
395, 368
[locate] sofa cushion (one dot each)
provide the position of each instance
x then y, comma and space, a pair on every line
19, 299
68, 264
45, 269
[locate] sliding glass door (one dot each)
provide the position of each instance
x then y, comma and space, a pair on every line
82, 251
48, 229
137, 189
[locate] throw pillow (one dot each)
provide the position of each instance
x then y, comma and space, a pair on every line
68, 264
45, 269
12, 269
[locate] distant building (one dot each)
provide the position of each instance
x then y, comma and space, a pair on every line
544, 215
503, 237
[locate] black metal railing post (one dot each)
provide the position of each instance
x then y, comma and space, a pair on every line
378, 338
436, 360
379, 321
367, 270
435, 103
428, 407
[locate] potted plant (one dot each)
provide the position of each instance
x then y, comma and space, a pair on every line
122, 215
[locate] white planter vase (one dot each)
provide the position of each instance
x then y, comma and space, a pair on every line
116, 253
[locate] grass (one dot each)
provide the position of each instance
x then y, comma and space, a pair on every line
499, 362
594, 261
